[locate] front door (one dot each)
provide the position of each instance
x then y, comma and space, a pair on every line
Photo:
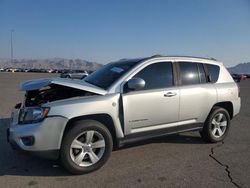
155, 106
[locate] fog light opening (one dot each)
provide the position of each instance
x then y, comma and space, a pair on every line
28, 140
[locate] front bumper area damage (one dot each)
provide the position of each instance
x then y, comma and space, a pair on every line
44, 137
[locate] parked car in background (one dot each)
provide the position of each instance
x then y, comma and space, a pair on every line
74, 74
81, 121
243, 77
49, 70
239, 77
248, 76
236, 77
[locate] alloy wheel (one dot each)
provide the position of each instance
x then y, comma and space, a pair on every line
219, 125
87, 148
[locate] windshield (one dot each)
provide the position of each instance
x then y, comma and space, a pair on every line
108, 74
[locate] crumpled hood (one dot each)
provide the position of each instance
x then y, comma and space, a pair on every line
77, 84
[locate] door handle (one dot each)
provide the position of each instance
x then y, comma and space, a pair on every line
170, 94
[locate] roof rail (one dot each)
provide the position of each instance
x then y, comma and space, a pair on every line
213, 59
157, 55
209, 58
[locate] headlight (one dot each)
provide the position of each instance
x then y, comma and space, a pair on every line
32, 114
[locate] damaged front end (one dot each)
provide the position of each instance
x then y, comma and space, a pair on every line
42, 91
33, 112
52, 93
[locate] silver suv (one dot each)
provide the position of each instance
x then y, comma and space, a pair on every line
81, 121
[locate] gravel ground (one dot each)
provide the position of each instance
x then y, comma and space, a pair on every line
182, 160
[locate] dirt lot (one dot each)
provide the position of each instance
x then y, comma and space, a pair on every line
182, 160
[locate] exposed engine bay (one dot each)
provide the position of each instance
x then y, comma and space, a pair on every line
53, 92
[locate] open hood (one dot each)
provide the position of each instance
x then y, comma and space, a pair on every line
77, 84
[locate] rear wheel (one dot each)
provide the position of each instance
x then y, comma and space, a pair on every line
86, 147
216, 126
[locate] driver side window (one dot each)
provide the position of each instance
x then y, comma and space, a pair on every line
157, 75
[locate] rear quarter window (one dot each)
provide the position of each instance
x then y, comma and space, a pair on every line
214, 71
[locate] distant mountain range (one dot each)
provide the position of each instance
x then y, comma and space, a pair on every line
243, 68
79, 64
53, 63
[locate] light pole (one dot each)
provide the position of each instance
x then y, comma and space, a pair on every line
11, 44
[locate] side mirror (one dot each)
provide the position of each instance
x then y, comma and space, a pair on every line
136, 84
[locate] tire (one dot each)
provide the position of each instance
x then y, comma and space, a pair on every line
217, 119
80, 152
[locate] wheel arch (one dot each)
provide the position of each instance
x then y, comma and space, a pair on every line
227, 105
105, 119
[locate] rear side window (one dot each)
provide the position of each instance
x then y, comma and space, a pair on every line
213, 70
202, 73
157, 75
189, 73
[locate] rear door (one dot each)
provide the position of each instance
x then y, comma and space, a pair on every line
154, 106
197, 95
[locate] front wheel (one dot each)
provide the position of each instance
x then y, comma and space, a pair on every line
86, 147
216, 126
